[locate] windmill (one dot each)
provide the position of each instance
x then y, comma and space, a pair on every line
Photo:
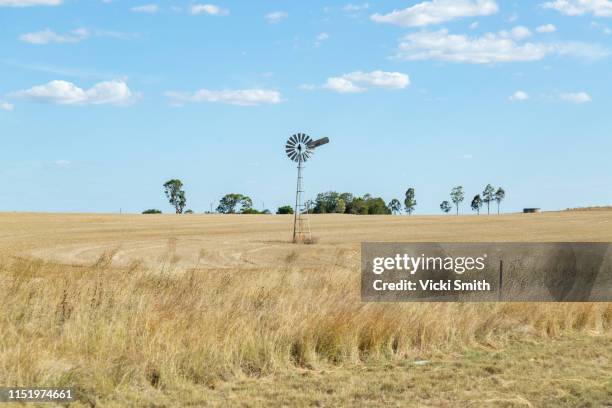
299, 148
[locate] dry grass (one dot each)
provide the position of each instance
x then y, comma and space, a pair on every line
128, 333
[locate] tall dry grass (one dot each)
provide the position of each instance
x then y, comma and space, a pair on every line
101, 328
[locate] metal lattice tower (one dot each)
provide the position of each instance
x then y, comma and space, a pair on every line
300, 148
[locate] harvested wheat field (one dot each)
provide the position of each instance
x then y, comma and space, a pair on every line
210, 310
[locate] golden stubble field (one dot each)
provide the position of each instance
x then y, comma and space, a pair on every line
236, 241
165, 310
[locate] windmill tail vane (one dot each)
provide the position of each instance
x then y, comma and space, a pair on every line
299, 148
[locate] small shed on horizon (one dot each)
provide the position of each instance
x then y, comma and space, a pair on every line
531, 210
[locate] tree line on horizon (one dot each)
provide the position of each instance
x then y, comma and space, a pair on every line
332, 202
488, 196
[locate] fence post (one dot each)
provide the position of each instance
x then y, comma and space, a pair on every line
501, 280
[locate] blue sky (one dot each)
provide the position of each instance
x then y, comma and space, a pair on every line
103, 101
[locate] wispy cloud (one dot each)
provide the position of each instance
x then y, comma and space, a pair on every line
239, 97
359, 81
604, 29
61, 92
356, 7
29, 3
575, 97
209, 9
320, 38
546, 28
599, 8
62, 71
62, 164
49, 36
276, 16
519, 96
146, 8
436, 12
5, 106
504, 46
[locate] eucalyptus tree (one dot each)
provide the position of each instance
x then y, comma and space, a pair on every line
175, 194
500, 194
395, 206
488, 195
445, 206
410, 201
457, 195
477, 203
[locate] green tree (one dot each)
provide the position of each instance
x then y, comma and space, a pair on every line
340, 206
376, 206
310, 206
230, 202
285, 209
348, 199
152, 211
326, 202
395, 206
457, 195
477, 203
359, 206
445, 206
410, 201
248, 211
175, 194
246, 204
500, 194
488, 195
346, 203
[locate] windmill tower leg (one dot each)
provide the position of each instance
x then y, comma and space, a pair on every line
301, 227
298, 199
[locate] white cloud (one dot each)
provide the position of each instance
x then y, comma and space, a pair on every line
437, 11
519, 96
575, 97
146, 8
546, 28
518, 33
240, 97
490, 48
512, 18
29, 3
48, 36
474, 25
599, 8
210, 9
359, 81
441, 45
62, 163
604, 29
276, 17
6, 106
307, 87
582, 50
380, 79
342, 85
351, 8
320, 38
58, 92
